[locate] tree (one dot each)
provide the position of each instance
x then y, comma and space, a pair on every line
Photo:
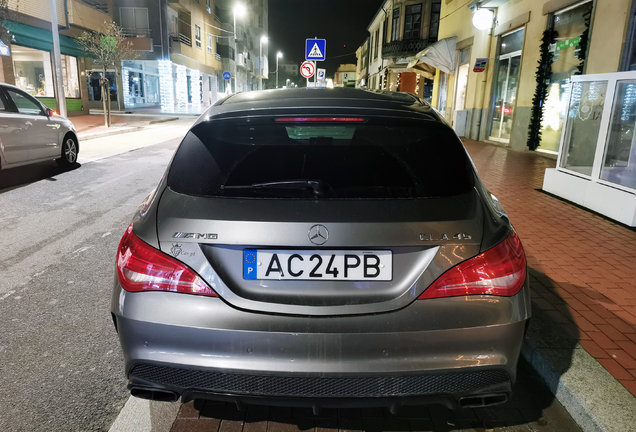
109, 47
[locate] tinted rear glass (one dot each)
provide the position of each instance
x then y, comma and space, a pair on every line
348, 160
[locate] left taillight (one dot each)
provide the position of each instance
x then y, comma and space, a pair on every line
499, 271
141, 267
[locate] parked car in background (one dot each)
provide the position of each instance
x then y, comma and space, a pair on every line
30, 132
321, 247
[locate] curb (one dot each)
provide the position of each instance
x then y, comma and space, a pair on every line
109, 133
126, 129
163, 120
592, 396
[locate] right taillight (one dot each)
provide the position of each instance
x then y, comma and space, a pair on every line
499, 271
141, 267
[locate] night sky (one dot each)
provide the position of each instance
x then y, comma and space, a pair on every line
342, 22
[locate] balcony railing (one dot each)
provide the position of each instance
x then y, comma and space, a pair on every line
405, 48
99, 5
180, 38
135, 32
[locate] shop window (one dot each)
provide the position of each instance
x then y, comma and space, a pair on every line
506, 85
33, 71
619, 161
395, 25
70, 77
210, 42
571, 24
412, 21
94, 88
581, 136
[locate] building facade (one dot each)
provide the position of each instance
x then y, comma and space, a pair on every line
29, 60
399, 30
500, 104
362, 66
345, 76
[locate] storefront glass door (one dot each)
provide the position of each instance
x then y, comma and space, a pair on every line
506, 84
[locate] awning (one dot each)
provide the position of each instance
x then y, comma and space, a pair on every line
34, 37
440, 55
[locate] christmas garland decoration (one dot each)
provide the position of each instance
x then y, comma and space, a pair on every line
544, 70
585, 40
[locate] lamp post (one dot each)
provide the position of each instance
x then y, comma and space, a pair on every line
238, 9
260, 60
279, 55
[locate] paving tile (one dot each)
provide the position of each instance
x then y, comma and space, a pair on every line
625, 360
326, 424
231, 426
187, 411
594, 349
195, 425
628, 346
602, 340
617, 371
621, 325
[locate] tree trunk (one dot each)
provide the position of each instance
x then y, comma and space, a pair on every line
104, 91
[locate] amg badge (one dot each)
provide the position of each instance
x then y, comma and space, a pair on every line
205, 236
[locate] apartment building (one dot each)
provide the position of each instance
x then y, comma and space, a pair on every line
399, 30
29, 63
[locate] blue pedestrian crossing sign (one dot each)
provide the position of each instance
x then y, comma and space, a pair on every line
316, 49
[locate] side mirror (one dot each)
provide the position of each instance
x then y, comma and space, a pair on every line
51, 113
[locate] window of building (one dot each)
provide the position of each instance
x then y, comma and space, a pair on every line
377, 43
197, 35
412, 21
134, 20
210, 43
436, 9
395, 25
385, 30
208, 6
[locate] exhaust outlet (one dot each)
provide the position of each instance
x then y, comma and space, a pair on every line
154, 394
482, 401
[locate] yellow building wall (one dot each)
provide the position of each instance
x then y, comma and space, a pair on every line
608, 30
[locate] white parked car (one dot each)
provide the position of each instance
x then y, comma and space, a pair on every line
30, 132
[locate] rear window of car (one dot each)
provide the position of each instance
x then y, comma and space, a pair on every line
315, 158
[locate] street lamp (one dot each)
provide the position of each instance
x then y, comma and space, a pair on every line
279, 55
260, 59
238, 10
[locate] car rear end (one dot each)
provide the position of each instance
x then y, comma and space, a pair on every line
312, 256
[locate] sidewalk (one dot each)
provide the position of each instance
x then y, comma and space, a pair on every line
581, 265
92, 126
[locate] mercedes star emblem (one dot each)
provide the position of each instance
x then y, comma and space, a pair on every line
318, 234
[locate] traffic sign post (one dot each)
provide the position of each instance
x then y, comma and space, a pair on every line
315, 49
307, 70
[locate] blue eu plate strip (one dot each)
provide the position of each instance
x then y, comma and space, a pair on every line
249, 264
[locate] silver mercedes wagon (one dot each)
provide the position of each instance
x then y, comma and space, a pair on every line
321, 248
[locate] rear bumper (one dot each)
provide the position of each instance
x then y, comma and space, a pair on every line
431, 351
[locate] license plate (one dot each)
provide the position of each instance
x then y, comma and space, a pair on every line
349, 265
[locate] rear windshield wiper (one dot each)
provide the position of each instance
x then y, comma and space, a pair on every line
314, 185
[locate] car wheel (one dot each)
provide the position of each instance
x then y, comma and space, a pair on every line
70, 149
